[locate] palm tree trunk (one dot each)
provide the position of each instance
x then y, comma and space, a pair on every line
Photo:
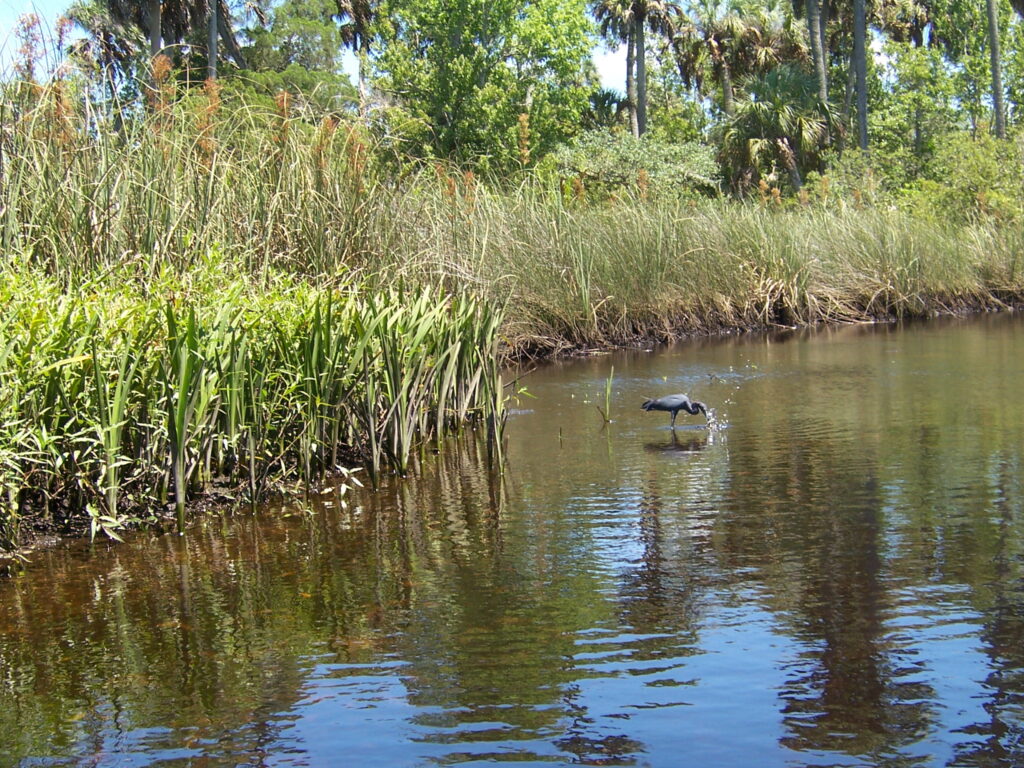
211, 41
789, 160
861, 66
641, 76
728, 96
997, 73
849, 91
364, 58
227, 37
631, 81
155, 27
813, 9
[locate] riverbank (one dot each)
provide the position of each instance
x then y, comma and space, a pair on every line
135, 388
283, 304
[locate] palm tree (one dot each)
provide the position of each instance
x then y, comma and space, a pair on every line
615, 20
155, 13
816, 23
356, 17
997, 73
780, 123
860, 67
211, 40
725, 39
709, 40
628, 21
172, 21
109, 42
663, 17
605, 109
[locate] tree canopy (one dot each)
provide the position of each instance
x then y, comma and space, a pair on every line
776, 90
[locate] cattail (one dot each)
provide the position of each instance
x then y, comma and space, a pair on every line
283, 100
29, 34
469, 185
578, 190
643, 183
60, 126
356, 153
162, 93
324, 136
524, 138
762, 191
207, 119
64, 26
447, 182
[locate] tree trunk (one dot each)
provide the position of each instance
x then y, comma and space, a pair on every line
211, 40
641, 76
364, 58
789, 160
817, 47
997, 73
728, 96
860, 62
227, 37
850, 90
155, 27
631, 82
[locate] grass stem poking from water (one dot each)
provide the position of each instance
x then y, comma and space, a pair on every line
606, 412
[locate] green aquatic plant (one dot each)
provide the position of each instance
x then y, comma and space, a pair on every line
606, 411
121, 400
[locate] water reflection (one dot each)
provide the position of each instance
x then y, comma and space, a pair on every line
688, 442
840, 572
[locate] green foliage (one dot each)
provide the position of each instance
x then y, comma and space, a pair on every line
972, 179
119, 397
313, 93
301, 33
299, 51
909, 118
607, 162
464, 72
778, 131
675, 115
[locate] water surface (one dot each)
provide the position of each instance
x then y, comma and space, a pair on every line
831, 577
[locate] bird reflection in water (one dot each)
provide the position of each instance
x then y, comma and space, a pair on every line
690, 442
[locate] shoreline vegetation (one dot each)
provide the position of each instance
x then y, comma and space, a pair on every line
212, 302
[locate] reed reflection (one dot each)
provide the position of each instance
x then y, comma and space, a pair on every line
840, 570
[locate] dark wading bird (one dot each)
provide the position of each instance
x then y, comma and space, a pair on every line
674, 404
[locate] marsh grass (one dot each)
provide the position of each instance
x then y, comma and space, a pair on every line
207, 295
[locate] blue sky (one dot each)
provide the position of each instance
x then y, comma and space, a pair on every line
611, 66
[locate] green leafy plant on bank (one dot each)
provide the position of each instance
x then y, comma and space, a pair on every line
120, 400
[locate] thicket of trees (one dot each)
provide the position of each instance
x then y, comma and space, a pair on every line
901, 99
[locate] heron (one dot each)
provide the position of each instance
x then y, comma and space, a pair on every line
674, 404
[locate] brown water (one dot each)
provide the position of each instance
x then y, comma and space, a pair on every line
831, 577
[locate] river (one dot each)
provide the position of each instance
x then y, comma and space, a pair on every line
828, 575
